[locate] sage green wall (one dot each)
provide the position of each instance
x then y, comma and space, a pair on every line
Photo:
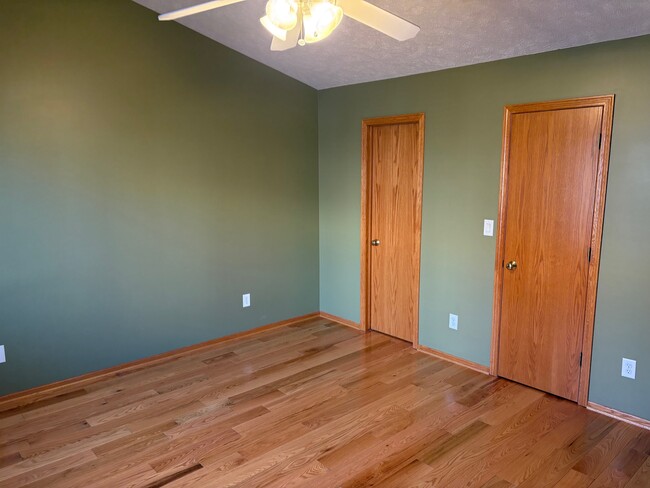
464, 110
148, 178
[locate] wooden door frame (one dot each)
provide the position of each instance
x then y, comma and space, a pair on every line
366, 193
607, 104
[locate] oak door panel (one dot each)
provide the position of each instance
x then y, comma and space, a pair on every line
548, 224
395, 223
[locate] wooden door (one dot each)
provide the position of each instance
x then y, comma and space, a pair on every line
395, 163
548, 219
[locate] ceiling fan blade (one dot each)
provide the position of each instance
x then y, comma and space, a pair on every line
196, 9
379, 19
293, 35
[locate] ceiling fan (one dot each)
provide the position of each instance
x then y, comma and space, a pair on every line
307, 21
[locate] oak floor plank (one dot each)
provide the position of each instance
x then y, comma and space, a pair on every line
574, 479
406, 475
429, 426
317, 405
641, 478
621, 470
24, 475
497, 483
474, 463
534, 459
564, 457
603, 453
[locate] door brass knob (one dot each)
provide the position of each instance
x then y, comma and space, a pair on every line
512, 265
375, 242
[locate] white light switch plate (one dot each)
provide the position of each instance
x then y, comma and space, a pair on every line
246, 300
488, 228
3, 358
453, 321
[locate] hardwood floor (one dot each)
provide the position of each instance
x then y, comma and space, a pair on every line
316, 405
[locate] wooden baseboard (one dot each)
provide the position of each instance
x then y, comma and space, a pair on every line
454, 359
50, 390
340, 320
618, 415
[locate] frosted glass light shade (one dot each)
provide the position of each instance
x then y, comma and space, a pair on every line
282, 13
321, 20
273, 29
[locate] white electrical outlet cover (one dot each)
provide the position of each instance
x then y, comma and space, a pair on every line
246, 300
628, 368
3, 358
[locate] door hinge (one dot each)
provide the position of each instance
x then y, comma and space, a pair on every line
589, 255
600, 140
581, 360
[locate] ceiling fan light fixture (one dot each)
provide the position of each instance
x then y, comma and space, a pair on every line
320, 20
273, 29
282, 13
292, 22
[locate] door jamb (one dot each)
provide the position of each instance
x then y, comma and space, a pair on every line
607, 104
366, 192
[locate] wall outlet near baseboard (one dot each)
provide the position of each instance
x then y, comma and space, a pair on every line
628, 369
453, 321
3, 358
246, 300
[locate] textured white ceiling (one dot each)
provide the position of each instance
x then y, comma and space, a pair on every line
454, 33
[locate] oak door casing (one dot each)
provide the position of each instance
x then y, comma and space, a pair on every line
553, 166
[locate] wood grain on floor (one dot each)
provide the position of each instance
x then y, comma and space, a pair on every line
315, 405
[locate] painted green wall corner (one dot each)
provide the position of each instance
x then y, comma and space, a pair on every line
464, 110
148, 178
